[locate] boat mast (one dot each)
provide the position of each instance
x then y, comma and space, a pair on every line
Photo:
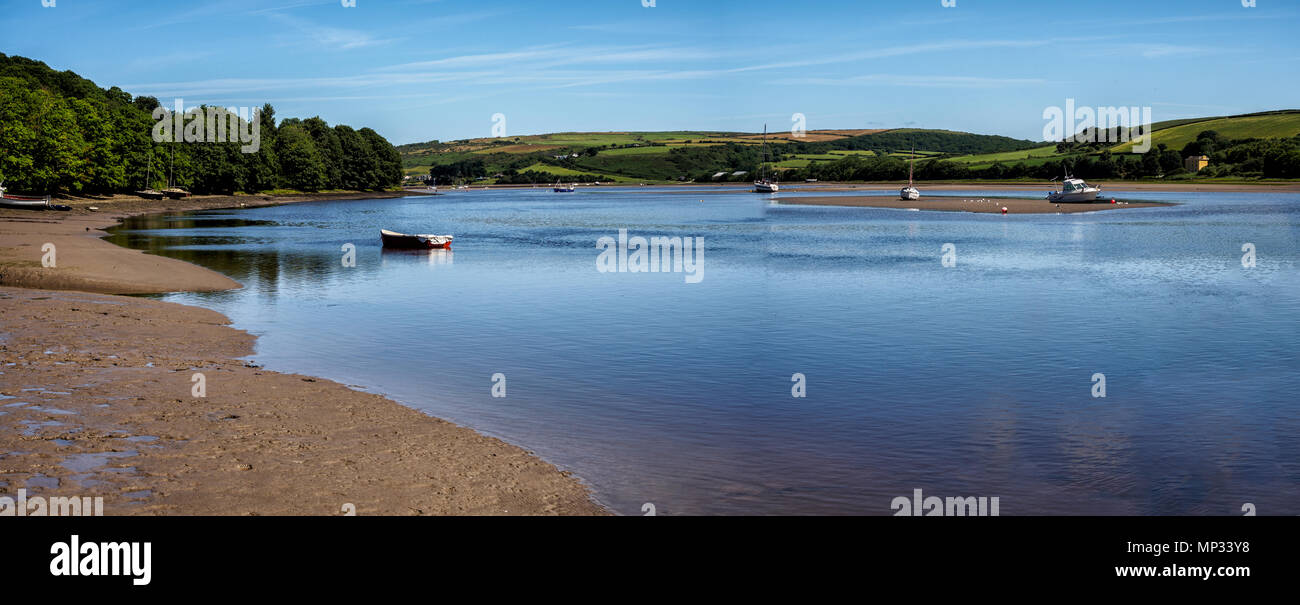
911, 161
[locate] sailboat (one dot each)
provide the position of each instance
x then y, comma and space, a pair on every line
149, 193
763, 184
909, 192
172, 191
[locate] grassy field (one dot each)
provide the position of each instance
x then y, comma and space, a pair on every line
561, 171
1009, 157
638, 150
1281, 125
647, 157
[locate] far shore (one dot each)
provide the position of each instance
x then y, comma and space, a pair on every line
98, 397
1044, 186
957, 204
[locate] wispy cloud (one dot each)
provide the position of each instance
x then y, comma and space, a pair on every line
330, 37
919, 81
897, 51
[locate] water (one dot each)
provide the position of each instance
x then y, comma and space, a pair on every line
973, 380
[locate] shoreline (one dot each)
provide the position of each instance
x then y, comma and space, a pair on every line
1267, 187
99, 401
992, 205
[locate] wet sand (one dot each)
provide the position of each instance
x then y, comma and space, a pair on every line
954, 204
96, 399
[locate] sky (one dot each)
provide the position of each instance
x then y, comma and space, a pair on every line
419, 70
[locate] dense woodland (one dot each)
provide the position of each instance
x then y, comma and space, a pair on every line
60, 132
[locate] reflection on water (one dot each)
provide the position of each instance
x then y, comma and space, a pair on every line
435, 257
971, 380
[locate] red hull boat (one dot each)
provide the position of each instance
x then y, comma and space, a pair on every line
406, 241
23, 201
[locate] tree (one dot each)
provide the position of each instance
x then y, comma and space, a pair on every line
301, 165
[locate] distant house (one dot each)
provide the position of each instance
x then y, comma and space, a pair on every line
718, 175
1194, 163
740, 173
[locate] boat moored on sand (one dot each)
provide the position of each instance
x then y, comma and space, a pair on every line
407, 241
910, 192
764, 184
23, 201
1074, 190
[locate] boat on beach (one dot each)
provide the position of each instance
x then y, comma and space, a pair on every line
149, 193
23, 201
764, 184
407, 241
1074, 190
172, 191
910, 192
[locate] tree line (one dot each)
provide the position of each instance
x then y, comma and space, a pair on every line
60, 132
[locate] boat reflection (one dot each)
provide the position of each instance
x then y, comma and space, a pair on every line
433, 256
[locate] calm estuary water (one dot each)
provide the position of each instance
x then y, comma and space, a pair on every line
972, 380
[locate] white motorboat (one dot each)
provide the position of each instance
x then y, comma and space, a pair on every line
1074, 190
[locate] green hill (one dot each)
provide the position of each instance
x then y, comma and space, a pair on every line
677, 155
1176, 134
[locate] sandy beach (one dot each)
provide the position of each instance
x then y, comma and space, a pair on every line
97, 399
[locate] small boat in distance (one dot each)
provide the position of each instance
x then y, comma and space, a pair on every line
562, 189
405, 241
23, 201
172, 191
763, 184
149, 193
909, 192
1074, 190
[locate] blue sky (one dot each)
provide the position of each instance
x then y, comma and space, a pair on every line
416, 70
